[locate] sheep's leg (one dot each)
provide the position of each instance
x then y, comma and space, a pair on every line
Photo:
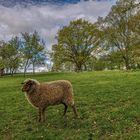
39, 116
75, 110
65, 109
43, 115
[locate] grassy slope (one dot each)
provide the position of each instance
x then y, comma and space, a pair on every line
108, 104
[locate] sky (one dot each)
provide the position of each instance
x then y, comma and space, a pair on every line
47, 16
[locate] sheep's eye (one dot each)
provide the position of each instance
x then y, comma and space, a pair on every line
30, 83
22, 83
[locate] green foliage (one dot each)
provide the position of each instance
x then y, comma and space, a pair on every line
108, 104
10, 55
117, 37
33, 50
114, 60
75, 43
2, 63
15, 53
95, 64
119, 33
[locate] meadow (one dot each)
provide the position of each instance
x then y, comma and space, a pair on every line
108, 104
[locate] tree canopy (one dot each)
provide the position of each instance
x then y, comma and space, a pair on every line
76, 43
121, 31
33, 50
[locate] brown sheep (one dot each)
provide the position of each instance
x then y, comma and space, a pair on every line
42, 95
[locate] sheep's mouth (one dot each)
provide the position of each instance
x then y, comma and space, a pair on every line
24, 89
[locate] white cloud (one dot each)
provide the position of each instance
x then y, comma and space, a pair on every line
47, 19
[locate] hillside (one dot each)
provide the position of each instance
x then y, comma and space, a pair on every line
108, 104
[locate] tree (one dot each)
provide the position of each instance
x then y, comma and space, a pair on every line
119, 35
114, 60
33, 50
2, 63
14, 59
10, 53
134, 23
75, 43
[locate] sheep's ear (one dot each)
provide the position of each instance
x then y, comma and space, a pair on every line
31, 85
30, 82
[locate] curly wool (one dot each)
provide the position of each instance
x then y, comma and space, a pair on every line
41, 95
50, 93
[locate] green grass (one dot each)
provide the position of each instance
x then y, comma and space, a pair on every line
108, 104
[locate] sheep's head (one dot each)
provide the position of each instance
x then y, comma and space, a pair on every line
29, 85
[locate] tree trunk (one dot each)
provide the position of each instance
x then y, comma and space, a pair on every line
25, 68
85, 67
138, 65
126, 61
33, 68
78, 68
2, 72
12, 72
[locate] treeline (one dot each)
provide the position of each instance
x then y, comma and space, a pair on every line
112, 42
21, 53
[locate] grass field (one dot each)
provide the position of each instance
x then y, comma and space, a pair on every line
108, 104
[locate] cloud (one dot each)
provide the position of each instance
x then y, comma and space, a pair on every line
47, 19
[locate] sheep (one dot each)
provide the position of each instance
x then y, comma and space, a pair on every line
42, 95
